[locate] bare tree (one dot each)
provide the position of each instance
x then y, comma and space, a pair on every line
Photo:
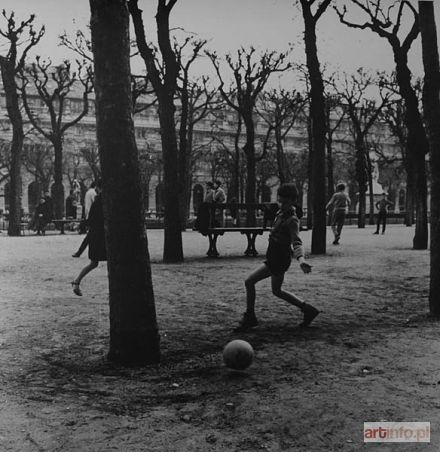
134, 337
11, 64
363, 113
394, 116
164, 81
54, 86
317, 123
381, 21
38, 161
431, 105
280, 110
197, 102
250, 78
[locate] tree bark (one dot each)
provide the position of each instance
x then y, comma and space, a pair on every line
431, 104
317, 112
58, 187
417, 148
134, 338
164, 86
14, 114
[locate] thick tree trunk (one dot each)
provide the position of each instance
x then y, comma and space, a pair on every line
134, 338
58, 188
417, 145
330, 175
173, 247
251, 182
310, 175
431, 105
317, 112
409, 200
361, 177
251, 185
14, 114
183, 156
370, 190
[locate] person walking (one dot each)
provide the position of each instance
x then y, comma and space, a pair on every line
382, 207
283, 237
96, 239
340, 202
88, 201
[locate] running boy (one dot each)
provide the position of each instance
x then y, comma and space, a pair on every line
283, 237
340, 202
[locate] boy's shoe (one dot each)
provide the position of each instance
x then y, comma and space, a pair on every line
248, 321
310, 313
377, 232
336, 241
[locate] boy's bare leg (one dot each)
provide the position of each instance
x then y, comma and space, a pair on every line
277, 282
262, 272
309, 311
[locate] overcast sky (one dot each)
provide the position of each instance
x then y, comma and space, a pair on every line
228, 24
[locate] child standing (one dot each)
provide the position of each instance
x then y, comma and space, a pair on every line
283, 237
382, 207
340, 202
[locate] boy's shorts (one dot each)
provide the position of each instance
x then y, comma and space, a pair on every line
278, 259
338, 217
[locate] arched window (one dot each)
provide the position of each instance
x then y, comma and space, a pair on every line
402, 200
33, 195
7, 191
160, 198
266, 194
197, 197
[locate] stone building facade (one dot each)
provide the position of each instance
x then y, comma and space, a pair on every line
80, 152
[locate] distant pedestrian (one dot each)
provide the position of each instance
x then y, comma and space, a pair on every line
96, 239
210, 192
219, 198
382, 207
283, 237
40, 217
88, 201
269, 214
71, 204
48, 207
340, 202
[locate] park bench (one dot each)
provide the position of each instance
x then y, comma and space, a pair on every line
213, 223
61, 224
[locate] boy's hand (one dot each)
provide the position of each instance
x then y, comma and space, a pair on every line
305, 267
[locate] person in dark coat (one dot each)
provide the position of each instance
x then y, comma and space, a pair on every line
40, 217
96, 239
71, 205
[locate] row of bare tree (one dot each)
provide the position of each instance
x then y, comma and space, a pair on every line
134, 332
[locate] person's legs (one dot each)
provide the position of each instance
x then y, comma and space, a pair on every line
262, 272
379, 220
87, 269
277, 282
333, 224
249, 319
340, 220
384, 222
82, 247
309, 311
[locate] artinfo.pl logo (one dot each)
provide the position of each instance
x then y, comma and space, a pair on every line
397, 432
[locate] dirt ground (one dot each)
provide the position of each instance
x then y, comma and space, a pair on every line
372, 354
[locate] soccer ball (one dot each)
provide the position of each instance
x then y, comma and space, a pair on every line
238, 354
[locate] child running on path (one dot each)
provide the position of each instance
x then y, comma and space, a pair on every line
283, 237
340, 202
